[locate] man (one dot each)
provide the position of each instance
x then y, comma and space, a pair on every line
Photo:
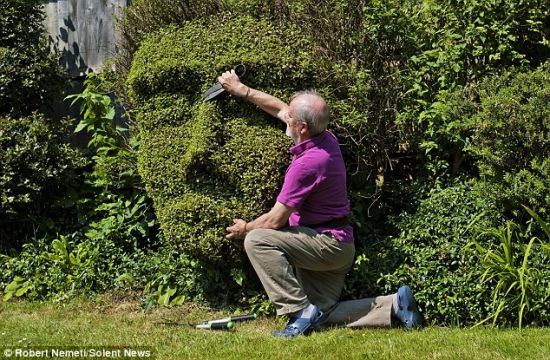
303, 267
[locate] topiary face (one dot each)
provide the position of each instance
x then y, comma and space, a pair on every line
207, 163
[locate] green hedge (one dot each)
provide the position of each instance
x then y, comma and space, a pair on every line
29, 78
188, 60
428, 254
29, 73
37, 168
144, 17
502, 125
459, 43
429, 246
510, 139
21, 22
206, 163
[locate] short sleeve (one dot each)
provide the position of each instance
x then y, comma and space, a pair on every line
299, 182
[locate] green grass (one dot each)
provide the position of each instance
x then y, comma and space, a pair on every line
117, 324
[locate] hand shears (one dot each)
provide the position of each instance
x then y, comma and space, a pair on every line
217, 88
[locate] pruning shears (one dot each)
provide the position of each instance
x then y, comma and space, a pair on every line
217, 88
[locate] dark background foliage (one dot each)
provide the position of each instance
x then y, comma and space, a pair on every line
29, 74
38, 168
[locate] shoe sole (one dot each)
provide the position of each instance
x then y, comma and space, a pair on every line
407, 303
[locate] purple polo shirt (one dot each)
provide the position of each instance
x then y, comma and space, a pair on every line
315, 185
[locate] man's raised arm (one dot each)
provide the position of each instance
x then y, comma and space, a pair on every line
270, 104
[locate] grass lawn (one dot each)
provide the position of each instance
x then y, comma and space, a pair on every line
118, 324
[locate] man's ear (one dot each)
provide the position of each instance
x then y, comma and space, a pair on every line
305, 129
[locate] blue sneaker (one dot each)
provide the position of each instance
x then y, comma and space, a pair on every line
407, 312
299, 325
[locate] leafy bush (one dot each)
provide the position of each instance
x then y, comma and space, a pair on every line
116, 224
501, 129
28, 80
511, 139
193, 58
427, 254
459, 43
21, 22
38, 174
73, 265
29, 74
144, 17
205, 163
113, 154
174, 277
38, 169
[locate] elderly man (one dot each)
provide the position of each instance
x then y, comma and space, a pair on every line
303, 266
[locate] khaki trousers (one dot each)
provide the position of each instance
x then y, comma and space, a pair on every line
298, 266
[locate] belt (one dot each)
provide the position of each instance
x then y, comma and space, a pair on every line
334, 223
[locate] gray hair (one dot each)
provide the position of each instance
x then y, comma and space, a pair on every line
315, 114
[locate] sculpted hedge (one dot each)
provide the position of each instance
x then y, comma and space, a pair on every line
206, 163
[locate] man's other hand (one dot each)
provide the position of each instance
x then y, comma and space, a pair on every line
237, 231
232, 84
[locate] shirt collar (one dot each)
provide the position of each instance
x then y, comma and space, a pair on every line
308, 144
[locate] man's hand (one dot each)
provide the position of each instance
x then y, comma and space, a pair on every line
270, 104
232, 84
237, 231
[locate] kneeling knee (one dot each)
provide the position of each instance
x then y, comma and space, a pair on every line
253, 239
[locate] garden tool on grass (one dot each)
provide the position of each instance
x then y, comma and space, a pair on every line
218, 324
217, 88
226, 323
207, 325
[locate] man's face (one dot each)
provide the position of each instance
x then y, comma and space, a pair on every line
293, 127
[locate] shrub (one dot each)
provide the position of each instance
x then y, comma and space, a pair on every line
427, 254
28, 80
112, 153
112, 224
510, 139
73, 265
501, 131
144, 17
460, 43
21, 22
174, 277
37, 171
193, 58
206, 163
29, 74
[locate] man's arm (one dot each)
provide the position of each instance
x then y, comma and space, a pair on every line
276, 218
270, 104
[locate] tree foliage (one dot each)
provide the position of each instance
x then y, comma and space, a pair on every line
21, 23
29, 75
37, 170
